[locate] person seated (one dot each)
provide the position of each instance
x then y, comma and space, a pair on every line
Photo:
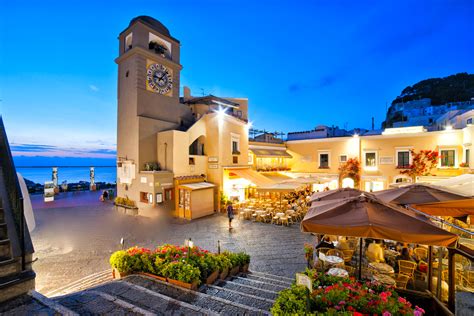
343, 244
375, 252
325, 243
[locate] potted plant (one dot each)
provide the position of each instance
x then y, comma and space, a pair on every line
182, 274
464, 165
121, 263
235, 262
244, 262
224, 265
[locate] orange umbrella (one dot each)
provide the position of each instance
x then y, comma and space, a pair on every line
367, 217
416, 194
455, 208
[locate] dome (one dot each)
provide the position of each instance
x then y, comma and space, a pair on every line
153, 23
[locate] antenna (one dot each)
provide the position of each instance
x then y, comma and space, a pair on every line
202, 92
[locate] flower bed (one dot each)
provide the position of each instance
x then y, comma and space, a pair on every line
180, 265
342, 296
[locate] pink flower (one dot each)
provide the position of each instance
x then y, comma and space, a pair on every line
386, 313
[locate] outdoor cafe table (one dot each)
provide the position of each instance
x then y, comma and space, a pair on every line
385, 279
248, 213
332, 261
391, 253
260, 214
382, 268
338, 272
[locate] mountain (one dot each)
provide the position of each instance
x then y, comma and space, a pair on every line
454, 88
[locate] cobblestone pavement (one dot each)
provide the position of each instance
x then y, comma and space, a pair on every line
74, 242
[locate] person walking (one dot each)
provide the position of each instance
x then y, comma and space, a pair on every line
230, 213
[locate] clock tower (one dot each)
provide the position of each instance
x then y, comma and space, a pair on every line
148, 94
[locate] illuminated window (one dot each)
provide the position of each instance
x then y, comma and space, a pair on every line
448, 158
371, 159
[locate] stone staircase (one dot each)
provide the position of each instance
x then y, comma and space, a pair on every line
244, 294
13, 281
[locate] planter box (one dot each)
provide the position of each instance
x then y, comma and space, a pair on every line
116, 274
234, 270
129, 210
245, 268
157, 277
224, 274
189, 286
212, 277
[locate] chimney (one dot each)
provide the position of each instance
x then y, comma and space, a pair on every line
186, 93
373, 123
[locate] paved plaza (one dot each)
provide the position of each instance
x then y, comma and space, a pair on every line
72, 242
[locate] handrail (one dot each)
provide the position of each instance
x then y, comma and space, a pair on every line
12, 186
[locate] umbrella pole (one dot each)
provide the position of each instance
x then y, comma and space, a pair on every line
360, 258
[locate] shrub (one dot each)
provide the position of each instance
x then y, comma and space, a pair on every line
223, 262
181, 271
122, 261
292, 301
233, 257
243, 258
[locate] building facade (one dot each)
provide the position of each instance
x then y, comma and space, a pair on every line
185, 155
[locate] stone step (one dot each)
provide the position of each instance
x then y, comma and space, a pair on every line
16, 284
97, 303
212, 303
9, 266
5, 250
239, 297
83, 283
274, 276
25, 305
258, 284
247, 289
150, 300
3, 231
266, 279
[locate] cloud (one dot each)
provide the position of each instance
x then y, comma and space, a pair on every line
93, 88
56, 151
324, 81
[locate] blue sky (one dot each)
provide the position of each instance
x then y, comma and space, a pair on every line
300, 63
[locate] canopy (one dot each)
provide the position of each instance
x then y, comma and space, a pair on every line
416, 194
367, 217
270, 153
455, 208
281, 187
463, 184
197, 185
336, 194
252, 175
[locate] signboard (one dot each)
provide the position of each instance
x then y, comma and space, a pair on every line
213, 166
303, 279
159, 197
212, 159
386, 160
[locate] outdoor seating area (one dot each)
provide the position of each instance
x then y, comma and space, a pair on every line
283, 209
381, 237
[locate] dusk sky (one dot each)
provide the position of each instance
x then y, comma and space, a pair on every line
300, 63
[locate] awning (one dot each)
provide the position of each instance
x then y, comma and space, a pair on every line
270, 153
463, 184
251, 175
197, 185
281, 187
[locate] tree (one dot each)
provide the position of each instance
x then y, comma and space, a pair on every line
350, 169
422, 163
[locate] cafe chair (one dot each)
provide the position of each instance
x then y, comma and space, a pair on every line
348, 255
402, 280
408, 268
421, 253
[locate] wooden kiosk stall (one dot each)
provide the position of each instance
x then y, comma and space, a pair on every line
194, 197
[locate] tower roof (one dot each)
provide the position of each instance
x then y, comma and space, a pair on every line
152, 23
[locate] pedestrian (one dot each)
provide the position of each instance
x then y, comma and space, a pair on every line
230, 213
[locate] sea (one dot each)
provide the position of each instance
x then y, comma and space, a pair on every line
69, 174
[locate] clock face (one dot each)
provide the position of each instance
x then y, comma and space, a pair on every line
159, 78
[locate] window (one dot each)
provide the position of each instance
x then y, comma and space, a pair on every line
469, 121
191, 161
467, 152
343, 158
128, 41
403, 159
235, 159
324, 160
370, 159
250, 159
168, 194
448, 158
235, 143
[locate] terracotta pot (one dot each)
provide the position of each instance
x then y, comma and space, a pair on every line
245, 268
116, 274
224, 274
157, 277
212, 277
234, 270
189, 286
